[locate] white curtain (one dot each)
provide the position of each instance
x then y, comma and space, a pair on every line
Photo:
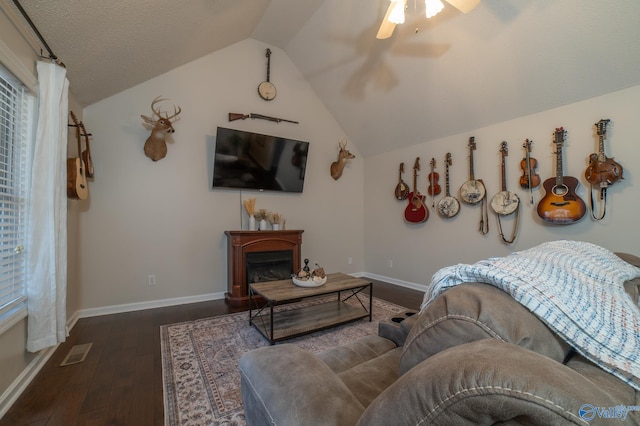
47, 213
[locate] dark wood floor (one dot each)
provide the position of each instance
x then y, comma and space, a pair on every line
120, 382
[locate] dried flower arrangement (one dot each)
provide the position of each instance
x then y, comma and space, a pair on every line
276, 218
250, 206
262, 214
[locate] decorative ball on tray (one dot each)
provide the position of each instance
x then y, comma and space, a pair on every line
305, 278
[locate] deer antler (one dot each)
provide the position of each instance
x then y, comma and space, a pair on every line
159, 113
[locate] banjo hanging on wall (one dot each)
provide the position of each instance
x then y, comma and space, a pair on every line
266, 89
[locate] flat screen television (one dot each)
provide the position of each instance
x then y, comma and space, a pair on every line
244, 160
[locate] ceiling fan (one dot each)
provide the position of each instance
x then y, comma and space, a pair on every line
395, 13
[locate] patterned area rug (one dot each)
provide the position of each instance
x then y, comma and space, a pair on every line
200, 358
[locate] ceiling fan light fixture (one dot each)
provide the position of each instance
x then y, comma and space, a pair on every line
397, 13
433, 7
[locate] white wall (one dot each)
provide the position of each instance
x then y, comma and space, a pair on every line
163, 218
419, 250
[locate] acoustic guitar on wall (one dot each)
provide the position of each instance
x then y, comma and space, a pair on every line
416, 212
77, 185
561, 205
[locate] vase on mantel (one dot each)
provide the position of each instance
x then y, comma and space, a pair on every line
252, 223
263, 224
276, 226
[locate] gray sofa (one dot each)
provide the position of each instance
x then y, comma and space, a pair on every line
474, 356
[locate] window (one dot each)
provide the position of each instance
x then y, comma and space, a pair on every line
15, 105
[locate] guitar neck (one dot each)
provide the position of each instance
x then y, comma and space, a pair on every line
446, 175
504, 174
559, 176
601, 157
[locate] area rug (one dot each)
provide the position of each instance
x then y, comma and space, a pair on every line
200, 361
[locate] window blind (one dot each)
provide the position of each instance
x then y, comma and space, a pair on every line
13, 196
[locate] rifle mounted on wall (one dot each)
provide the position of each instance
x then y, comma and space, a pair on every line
235, 116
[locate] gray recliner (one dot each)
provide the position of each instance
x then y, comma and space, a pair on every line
473, 356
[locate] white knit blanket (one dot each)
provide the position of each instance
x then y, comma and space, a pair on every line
576, 288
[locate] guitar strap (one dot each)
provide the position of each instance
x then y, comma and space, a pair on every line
603, 197
484, 214
515, 228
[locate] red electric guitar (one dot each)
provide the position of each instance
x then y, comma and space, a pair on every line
416, 212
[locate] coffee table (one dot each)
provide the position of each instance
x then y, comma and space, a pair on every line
280, 324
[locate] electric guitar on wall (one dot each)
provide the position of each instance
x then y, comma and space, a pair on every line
416, 212
560, 205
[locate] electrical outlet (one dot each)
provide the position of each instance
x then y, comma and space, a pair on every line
390, 263
152, 279
349, 260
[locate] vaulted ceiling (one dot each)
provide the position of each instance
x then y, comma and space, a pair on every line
432, 78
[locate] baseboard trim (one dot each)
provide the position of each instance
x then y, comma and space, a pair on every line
129, 307
13, 392
407, 284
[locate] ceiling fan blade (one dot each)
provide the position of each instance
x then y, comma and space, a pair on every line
463, 6
386, 27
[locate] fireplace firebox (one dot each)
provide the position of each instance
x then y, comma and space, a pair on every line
268, 266
259, 256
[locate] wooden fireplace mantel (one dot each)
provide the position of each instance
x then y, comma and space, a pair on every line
239, 243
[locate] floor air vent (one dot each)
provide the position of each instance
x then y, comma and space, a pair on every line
77, 354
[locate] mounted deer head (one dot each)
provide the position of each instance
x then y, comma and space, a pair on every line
156, 147
343, 156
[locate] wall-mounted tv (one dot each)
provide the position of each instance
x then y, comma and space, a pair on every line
244, 160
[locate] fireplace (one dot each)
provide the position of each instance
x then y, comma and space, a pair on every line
258, 256
268, 266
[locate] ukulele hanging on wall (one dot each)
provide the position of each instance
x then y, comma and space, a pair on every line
602, 171
560, 205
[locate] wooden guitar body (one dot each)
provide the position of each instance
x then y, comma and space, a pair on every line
77, 187
402, 189
560, 204
416, 212
602, 174
602, 171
